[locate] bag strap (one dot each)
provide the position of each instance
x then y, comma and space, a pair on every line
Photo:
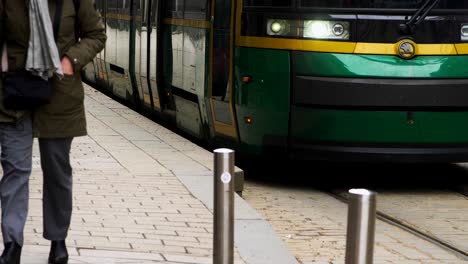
58, 17
3, 63
77, 3
1, 37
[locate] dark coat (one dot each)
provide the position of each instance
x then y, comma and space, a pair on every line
65, 115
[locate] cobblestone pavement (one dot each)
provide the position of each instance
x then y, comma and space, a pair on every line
128, 205
313, 224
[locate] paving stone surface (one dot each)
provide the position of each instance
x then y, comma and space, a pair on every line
313, 224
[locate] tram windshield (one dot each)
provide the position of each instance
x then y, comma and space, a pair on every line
275, 3
391, 4
403, 4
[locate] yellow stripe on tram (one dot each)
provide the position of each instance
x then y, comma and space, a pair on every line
296, 44
188, 23
119, 16
122, 17
390, 49
462, 48
347, 47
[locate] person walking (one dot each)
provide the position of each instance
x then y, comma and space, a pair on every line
22, 65
80, 38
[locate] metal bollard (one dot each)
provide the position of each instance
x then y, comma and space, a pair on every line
361, 226
223, 233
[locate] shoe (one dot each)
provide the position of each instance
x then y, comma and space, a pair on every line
11, 254
58, 253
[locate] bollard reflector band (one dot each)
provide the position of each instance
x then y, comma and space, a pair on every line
361, 192
223, 150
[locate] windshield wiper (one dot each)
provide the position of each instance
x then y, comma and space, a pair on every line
410, 27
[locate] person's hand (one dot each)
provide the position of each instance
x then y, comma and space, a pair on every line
67, 66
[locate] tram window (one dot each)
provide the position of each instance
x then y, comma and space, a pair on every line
126, 4
199, 6
443, 4
175, 8
223, 20
221, 50
196, 9
111, 4
328, 3
274, 3
175, 5
99, 5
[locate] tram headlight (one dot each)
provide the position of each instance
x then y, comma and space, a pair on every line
278, 27
464, 32
313, 29
320, 29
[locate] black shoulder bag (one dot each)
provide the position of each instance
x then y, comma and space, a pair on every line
24, 91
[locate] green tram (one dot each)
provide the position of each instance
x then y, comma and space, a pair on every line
383, 80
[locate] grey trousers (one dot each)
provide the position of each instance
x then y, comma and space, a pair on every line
16, 146
57, 189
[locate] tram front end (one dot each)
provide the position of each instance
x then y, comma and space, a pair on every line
354, 80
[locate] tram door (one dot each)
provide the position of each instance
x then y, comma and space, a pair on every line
221, 68
146, 52
142, 51
154, 32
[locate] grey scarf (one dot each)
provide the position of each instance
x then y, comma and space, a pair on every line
43, 58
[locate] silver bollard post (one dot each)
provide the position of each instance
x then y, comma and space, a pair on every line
223, 233
361, 226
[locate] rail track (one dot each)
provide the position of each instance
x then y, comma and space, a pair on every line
387, 218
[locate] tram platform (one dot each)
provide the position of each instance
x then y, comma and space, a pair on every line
143, 194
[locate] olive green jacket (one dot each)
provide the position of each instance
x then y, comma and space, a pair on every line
65, 115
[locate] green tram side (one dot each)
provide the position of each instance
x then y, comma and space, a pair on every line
308, 79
